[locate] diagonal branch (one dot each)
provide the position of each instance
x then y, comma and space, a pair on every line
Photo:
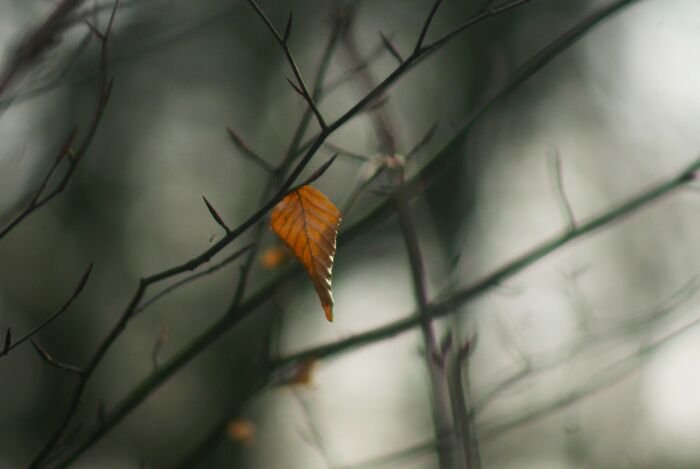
67, 153
426, 26
283, 42
444, 306
79, 288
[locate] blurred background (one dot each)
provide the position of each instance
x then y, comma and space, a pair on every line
588, 358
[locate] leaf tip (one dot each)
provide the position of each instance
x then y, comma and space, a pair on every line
328, 308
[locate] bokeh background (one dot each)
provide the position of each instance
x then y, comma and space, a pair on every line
577, 362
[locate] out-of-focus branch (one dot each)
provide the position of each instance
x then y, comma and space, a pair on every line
229, 320
643, 322
43, 38
600, 381
558, 182
66, 152
444, 306
441, 407
9, 346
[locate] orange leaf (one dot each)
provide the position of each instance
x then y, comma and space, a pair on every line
307, 222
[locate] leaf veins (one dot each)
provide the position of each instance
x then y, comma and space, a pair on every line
307, 222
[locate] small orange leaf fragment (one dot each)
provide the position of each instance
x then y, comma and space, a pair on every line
241, 431
274, 256
307, 222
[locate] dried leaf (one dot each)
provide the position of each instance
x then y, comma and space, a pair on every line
241, 431
274, 256
307, 222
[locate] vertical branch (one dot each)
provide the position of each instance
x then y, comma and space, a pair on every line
559, 192
460, 393
433, 356
43, 38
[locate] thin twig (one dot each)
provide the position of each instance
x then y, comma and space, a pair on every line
43, 38
391, 48
559, 192
600, 381
191, 278
74, 156
53, 362
343, 152
300, 86
246, 151
216, 216
76, 291
426, 26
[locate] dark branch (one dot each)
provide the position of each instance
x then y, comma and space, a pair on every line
292, 62
391, 48
48, 320
426, 26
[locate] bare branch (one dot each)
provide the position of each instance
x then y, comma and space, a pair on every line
426, 26
474, 20
560, 193
322, 169
391, 48
301, 88
53, 362
288, 28
43, 38
48, 320
104, 89
192, 278
247, 151
343, 152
